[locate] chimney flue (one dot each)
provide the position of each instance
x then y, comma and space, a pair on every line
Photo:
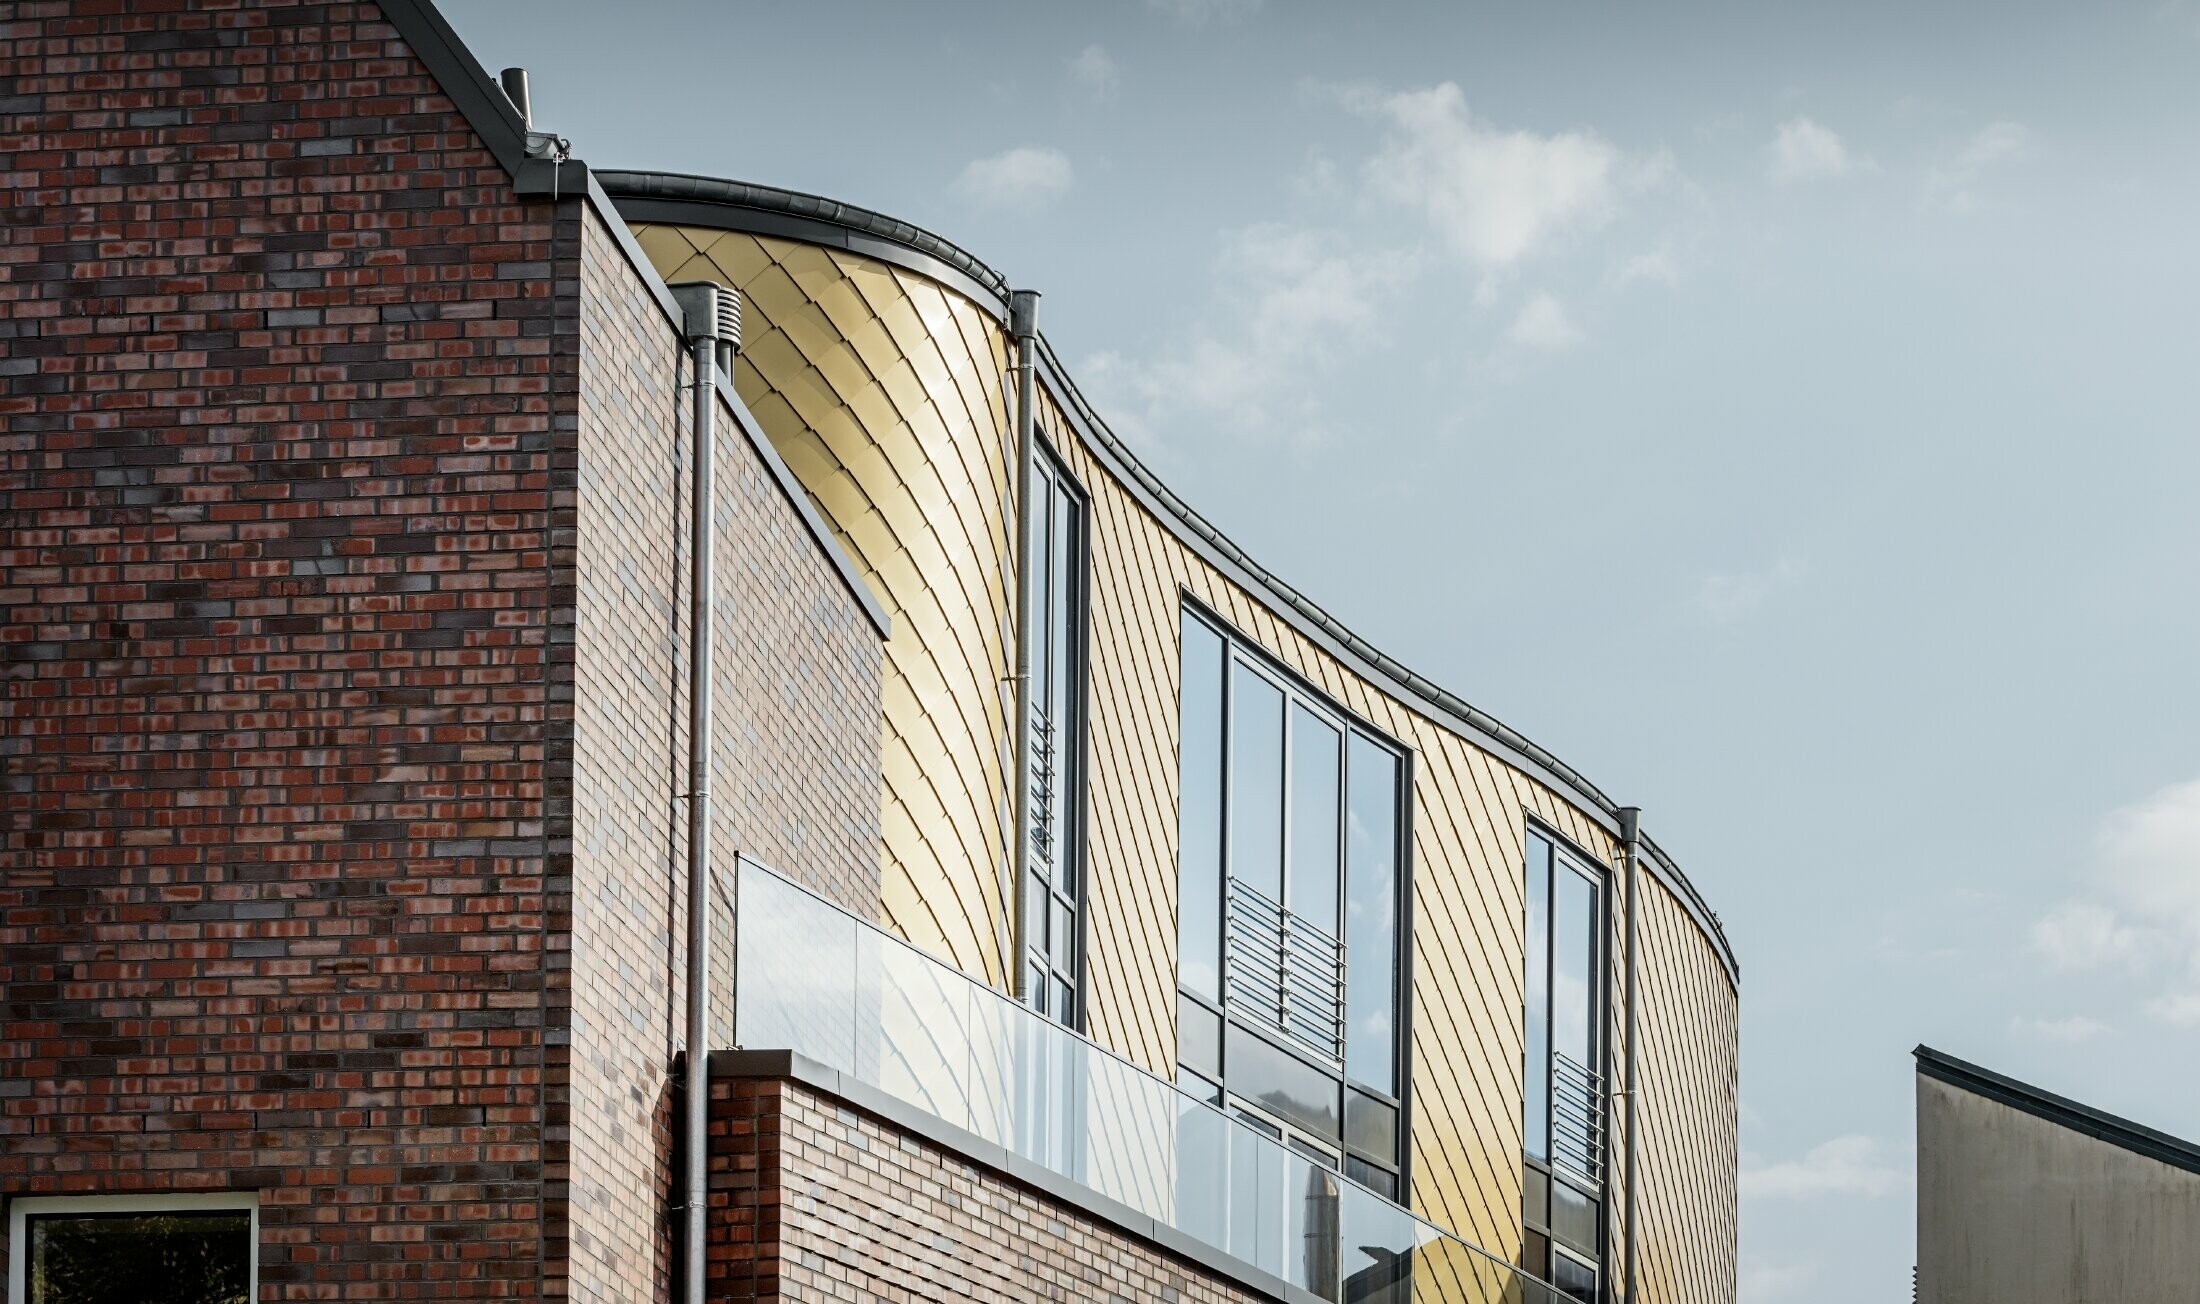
515, 90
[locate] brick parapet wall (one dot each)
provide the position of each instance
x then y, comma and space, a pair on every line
812, 1199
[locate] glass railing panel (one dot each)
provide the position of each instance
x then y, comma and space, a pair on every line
815, 979
795, 973
1310, 1239
1202, 1196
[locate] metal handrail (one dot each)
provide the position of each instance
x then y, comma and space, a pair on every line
1577, 1116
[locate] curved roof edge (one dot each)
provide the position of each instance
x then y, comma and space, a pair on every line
685, 199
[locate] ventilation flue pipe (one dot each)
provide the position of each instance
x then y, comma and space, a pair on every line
1630, 836
1023, 325
713, 315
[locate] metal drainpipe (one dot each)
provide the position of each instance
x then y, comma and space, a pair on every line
1630, 833
1023, 324
713, 328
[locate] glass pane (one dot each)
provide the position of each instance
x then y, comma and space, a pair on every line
1311, 1236
1198, 1087
183, 1257
1574, 1280
1203, 1169
795, 973
1381, 1181
923, 1028
1199, 1037
1256, 1200
1062, 940
1383, 1249
1256, 782
1536, 1072
1535, 1196
1535, 1254
1370, 1126
1065, 1001
1371, 917
1315, 766
1129, 1132
1199, 813
1573, 947
1280, 1083
1573, 1217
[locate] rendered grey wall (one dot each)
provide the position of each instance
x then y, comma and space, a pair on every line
2013, 1209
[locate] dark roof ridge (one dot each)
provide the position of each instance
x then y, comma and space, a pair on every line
2099, 1124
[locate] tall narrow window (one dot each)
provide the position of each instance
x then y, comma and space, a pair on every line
1289, 879
1053, 917
1562, 1127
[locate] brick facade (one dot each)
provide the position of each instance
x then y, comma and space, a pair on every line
341, 637
814, 1200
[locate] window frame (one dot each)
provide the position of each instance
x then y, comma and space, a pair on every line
1237, 645
1602, 877
1071, 859
23, 1208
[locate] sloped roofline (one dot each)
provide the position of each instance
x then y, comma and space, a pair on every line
689, 200
2059, 1110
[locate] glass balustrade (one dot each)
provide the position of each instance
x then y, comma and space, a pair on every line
816, 980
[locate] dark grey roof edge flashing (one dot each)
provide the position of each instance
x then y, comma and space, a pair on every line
768, 210
2060, 1110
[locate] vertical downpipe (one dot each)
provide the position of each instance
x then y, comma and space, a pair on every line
1023, 325
713, 328
1630, 832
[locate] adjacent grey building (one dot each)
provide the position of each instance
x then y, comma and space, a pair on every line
2025, 1197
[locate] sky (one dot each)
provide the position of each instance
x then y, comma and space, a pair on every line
1789, 415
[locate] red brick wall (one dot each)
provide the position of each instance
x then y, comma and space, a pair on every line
277, 603
813, 1200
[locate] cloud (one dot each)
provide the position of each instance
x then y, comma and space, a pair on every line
1024, 178
1292, 304
1847, 1165
1493, 196
1804, 151
2080, 936
1726, 598
2143, 916
1767, 1283
1092, 69
1950, 187
2073, 1029
1543, 324
1200, 13
1656, 266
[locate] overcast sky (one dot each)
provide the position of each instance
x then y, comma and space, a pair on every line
1787, 415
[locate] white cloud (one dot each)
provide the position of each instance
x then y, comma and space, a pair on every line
2073, 1029
1093, 70
1023, 178
1726, 598
1291, 305
2143, 917
1493, 196
1199, 13
2079, 936
1951, 186
1656, 266
1768, 1283
1847, 1165
1543, 324
1804, 151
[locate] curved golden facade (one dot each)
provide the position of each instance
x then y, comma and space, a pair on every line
877, 359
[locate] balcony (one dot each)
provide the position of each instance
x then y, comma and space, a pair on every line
815, 980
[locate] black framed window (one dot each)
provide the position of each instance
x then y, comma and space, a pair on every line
1292, 822
1562, 1085
102, 1250
1053, 913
